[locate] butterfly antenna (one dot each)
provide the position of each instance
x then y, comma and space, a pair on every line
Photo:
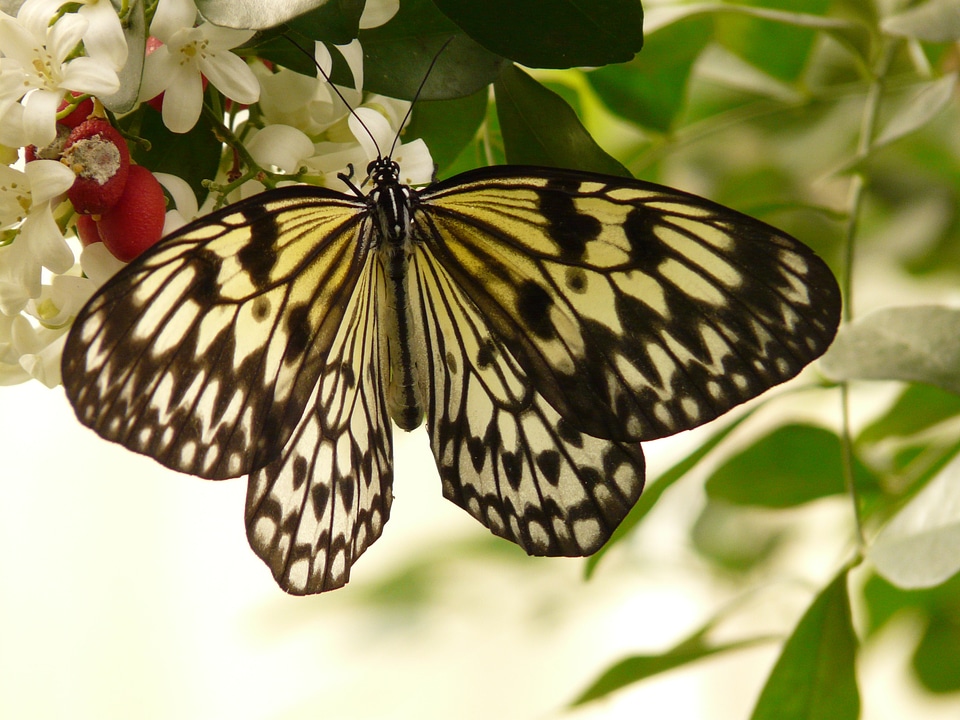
416, 96
339, 94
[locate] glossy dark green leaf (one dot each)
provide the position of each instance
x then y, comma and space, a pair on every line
655, 490
651, 89
398, 54
539, 128
792, 465
447, 126
191, 155
552, 33
815, 676
336, 23
633, 669
918, 408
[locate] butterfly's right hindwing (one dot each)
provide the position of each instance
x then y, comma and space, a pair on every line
204, 352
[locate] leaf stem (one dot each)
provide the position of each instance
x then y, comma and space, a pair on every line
868, 127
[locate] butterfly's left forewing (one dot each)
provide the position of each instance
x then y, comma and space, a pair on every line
636, 310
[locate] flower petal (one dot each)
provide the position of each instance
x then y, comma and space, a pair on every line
171, 16
40, 116
40, 232
281, 145
183, 100
104, 38
47, 178
231, 76
90, 75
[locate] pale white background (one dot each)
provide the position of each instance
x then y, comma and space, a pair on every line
127, 591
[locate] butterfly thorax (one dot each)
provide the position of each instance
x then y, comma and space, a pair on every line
391, 208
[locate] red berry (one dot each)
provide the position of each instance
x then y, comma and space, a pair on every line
87, 230
135, 223
98, 155
80, 113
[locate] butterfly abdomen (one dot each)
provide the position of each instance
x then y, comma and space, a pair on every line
391, 211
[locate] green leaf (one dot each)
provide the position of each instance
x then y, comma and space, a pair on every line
792, 465
937, 657
935, 21
633, 669
448, 126
918, 408
815, 676
334, 23
653, 492
552, 33
851, 33
254, 14
778, 48
735, 538
193, 156
918, 547
135, 33
919, 343
397, 56
539, 128
916, 110
651, 89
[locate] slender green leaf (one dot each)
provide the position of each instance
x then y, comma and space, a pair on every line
918, 343
790, 466
552, 33
919, 108
633, 669
539, 128
918, 408
815, 676
398, 54
935, 21
779, 49
653, 492
852, 33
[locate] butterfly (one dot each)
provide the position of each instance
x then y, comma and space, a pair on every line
542, 322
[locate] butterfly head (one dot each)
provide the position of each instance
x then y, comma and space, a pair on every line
383, 172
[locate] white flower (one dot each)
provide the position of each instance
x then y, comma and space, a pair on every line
370, 133
35, 54
35, 241
175, 68
103, 37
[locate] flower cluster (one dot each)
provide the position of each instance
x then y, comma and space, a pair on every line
76, 201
